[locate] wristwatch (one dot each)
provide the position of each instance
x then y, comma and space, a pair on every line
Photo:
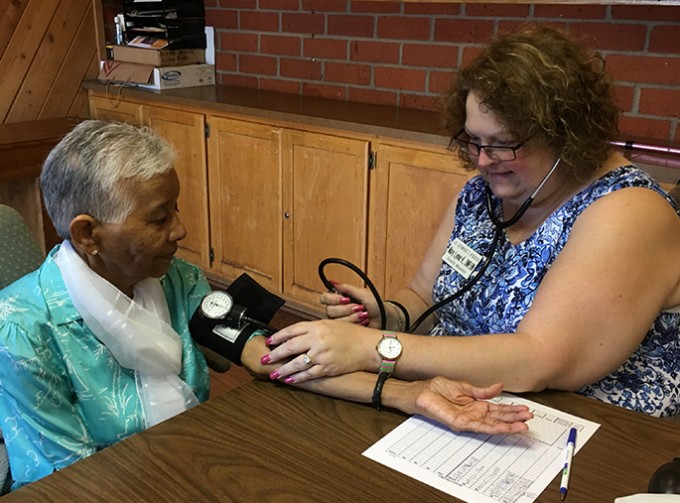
389, 348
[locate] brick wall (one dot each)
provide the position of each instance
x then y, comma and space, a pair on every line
405, 54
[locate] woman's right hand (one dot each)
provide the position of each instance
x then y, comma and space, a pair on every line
351, 304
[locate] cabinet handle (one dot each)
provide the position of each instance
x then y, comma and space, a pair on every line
286, 215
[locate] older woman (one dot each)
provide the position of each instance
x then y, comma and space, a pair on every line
95, 344
558, 263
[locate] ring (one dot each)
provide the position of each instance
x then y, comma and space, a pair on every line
306, 359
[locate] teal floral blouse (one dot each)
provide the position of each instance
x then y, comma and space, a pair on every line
62, 394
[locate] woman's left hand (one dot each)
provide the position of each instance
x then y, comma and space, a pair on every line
457, 404
321, 348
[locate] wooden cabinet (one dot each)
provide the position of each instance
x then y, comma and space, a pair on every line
246, 200
411, 188
186, 132
325, 209
273, 199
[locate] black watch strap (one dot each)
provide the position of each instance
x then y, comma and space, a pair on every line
377, 391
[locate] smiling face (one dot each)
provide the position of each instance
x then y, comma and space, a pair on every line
144, 244
512, 181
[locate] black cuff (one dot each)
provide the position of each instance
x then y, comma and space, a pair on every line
222, 339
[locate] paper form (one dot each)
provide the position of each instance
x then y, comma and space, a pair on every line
480, 468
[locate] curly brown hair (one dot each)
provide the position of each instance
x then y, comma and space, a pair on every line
544, 86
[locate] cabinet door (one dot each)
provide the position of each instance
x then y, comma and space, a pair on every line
112, 109
245, 200
326, 189
410, 190
186, 132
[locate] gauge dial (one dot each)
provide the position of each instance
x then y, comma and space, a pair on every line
216, 305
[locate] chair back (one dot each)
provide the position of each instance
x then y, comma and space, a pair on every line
19, 251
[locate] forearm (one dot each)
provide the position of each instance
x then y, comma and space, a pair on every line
415, 306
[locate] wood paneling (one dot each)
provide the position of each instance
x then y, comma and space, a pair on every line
47, 48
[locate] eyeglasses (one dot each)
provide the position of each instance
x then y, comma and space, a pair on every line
495, 152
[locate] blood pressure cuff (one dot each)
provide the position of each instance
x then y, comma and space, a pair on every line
222, 339
260, 304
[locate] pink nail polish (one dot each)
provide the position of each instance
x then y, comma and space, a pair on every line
358, 309
345, 300
265, 359
364, 323
289, 380
268, 341
363, 315
275, 375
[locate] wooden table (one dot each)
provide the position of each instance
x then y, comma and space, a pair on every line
266, 442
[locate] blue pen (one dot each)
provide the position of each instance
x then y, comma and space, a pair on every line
569, 456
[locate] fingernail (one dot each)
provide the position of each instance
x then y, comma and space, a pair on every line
275, 375
268, 341
345, 300
289, 380
364, 322
363, 315
358, 308
265, 359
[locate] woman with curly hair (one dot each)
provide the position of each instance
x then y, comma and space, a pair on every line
560, 255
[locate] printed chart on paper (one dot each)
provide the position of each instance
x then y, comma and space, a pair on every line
479, 468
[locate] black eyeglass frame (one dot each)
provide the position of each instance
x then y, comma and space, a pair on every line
455, 139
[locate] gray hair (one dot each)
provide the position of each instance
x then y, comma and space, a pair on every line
83, 173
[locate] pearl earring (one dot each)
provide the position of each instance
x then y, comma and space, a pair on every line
94, 252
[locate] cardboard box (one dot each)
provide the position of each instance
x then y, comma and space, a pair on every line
156, 57
166, 77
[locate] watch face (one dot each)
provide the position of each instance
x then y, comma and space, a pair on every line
216, 305
389, 347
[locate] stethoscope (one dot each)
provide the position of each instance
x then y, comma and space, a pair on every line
499, 226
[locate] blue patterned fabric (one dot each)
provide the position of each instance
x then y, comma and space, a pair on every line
62, 394
648, 382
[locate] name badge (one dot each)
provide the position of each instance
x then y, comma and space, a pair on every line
461, 258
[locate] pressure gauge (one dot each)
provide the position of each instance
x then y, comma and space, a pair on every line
217, 305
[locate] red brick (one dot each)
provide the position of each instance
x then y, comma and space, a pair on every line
363, 95
660, 102
614, 36
302, 23
570, 11
324, 91
399, 78
278, 5
507, 25
420, 102
375, 7
470, 53
646, 12
225, 61
645, 69
624, 96
209, 4
273, 44
224, 19
404, 27
350, 26
677, 135
347, 73
238, 4
259, 21
230, 79
497, 10
282, 86
243, 42
325, 5
325, 48
463, 30
665, 39
377, 52
641, 127
439, 82
300, 69
437, 56
260, 65
433, 9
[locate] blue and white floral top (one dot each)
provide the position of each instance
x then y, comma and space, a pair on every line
63, 396
648, 382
